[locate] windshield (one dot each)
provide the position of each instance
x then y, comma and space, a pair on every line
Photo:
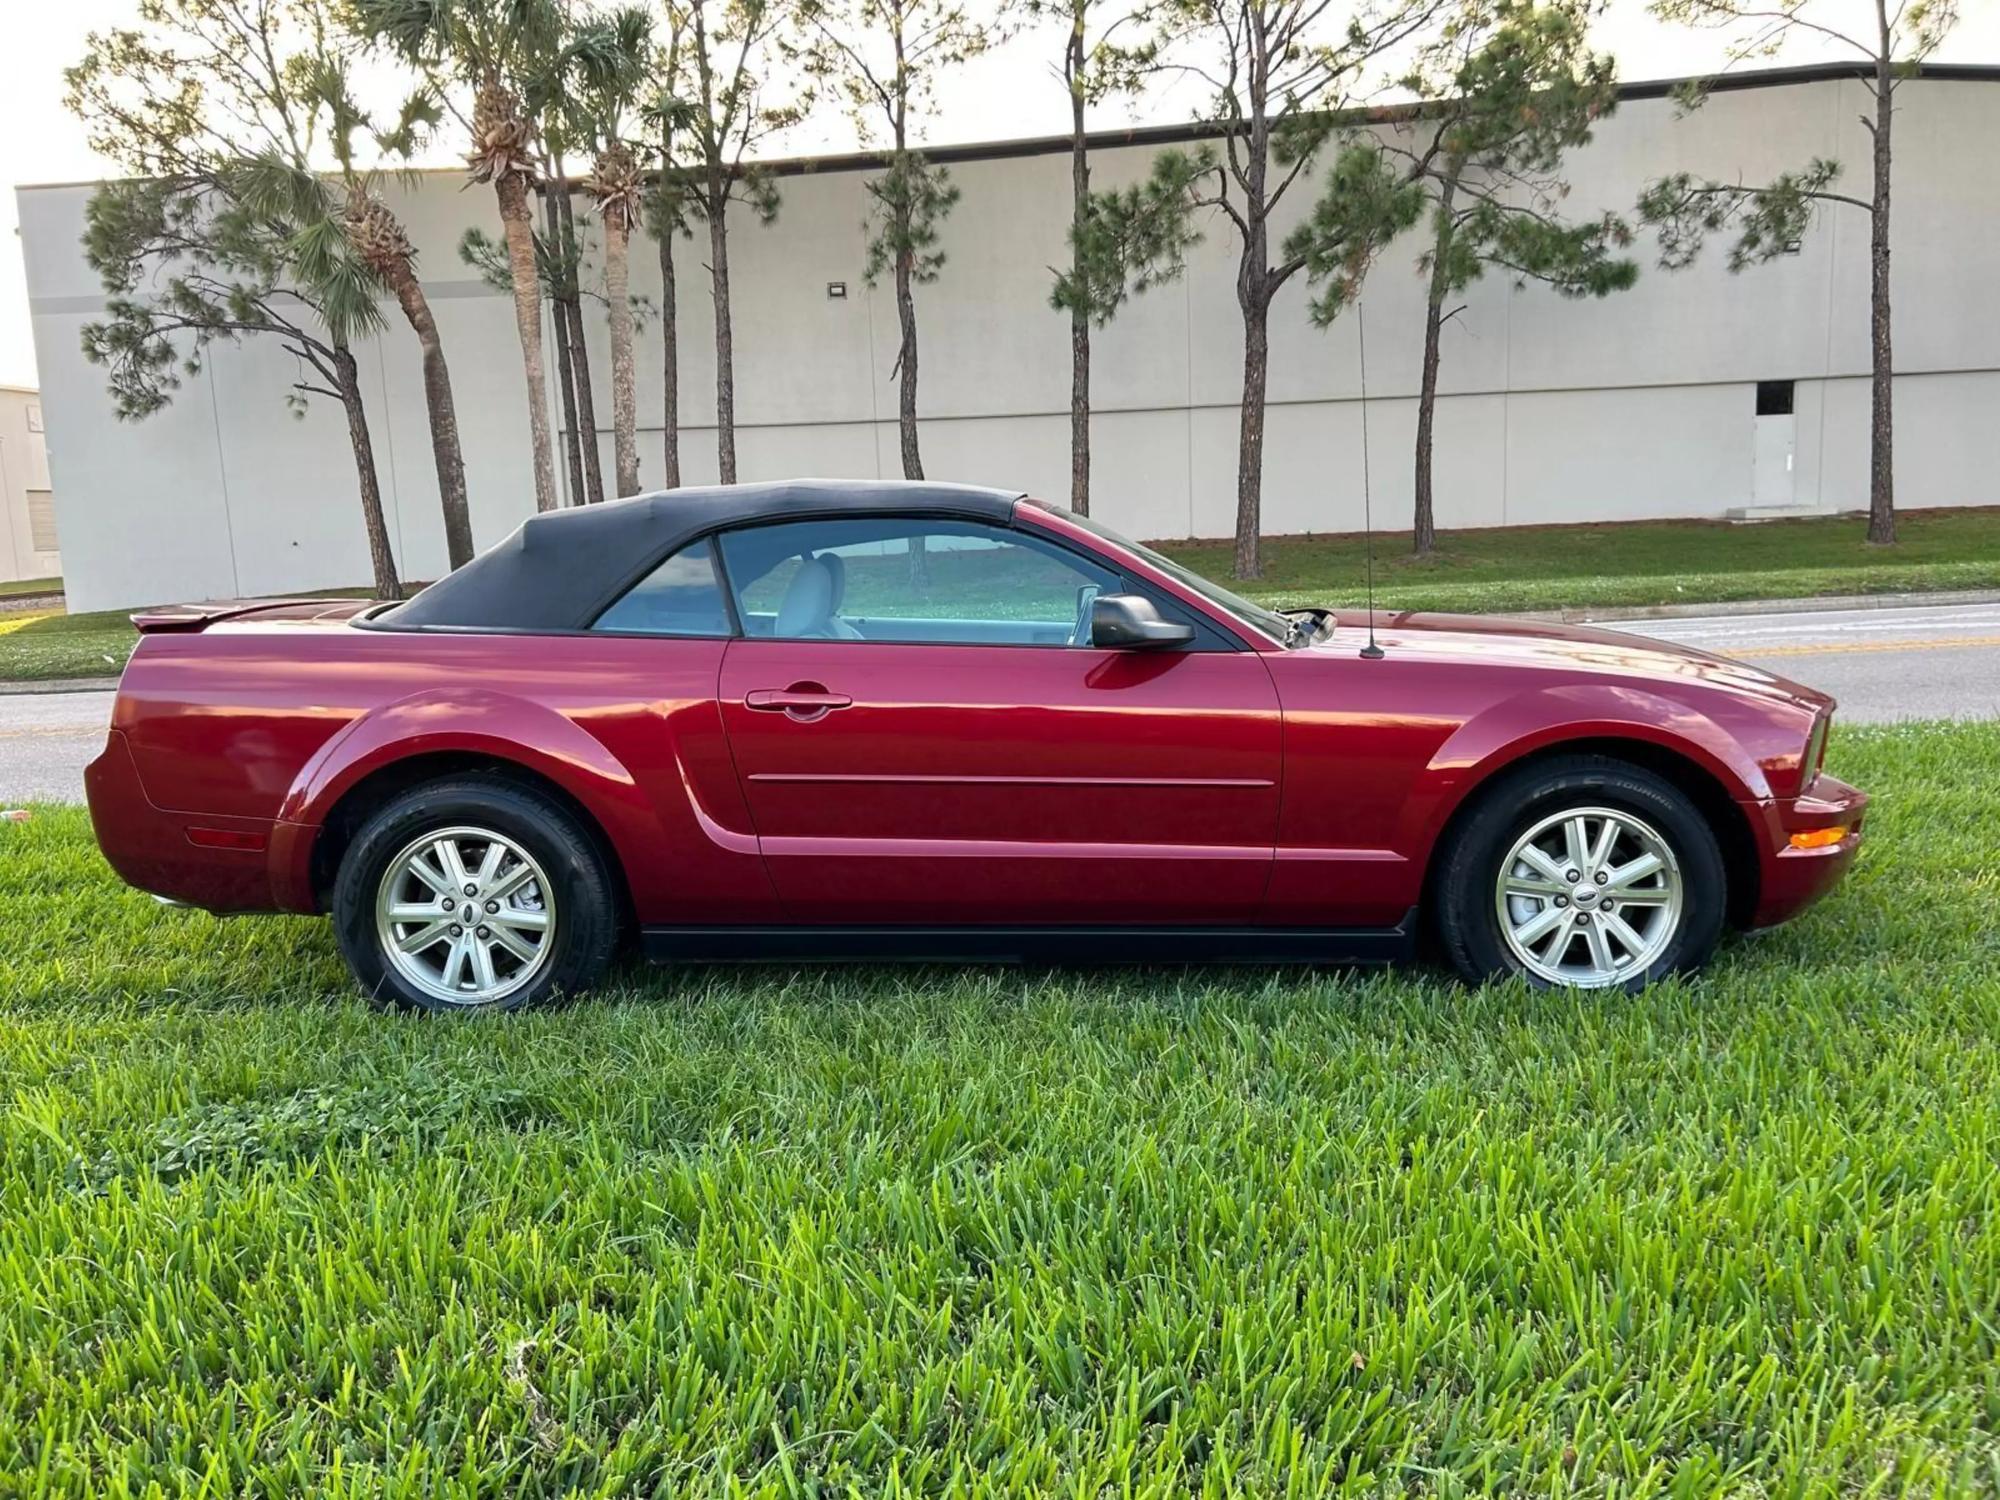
1265, 622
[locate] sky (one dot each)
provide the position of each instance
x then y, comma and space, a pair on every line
1008, 94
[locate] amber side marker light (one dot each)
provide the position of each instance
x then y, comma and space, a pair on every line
1818, 838
224, 838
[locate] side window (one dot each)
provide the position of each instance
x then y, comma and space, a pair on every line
679, 597
888, 578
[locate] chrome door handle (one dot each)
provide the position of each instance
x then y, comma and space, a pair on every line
802, 701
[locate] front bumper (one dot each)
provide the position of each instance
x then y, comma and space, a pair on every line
1791, 878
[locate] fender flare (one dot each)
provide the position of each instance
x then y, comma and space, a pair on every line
1520, 725
479, 721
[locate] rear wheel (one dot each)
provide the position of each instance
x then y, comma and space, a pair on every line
1584, 872
473, 894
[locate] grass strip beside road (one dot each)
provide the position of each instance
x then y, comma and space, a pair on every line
976, 1231
1494, 571
1630, 563
40, 646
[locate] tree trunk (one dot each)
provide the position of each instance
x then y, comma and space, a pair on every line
445, 452
1079, 316
570, 314
579, 354
1254, 289
670, 354
725, 335
381, 559
565, 376
1425, 528
906, 402
1881, 431
624, 409
1250, 446
566, 379
517, 219
906, 366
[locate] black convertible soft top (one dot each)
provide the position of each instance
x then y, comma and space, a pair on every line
560, 570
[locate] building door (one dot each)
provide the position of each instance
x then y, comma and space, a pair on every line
1776, 445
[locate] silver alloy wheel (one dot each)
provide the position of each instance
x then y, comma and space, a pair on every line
1590, 896
465, 915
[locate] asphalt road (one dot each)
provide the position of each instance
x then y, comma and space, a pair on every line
1882, 664
45, 741
1933, 662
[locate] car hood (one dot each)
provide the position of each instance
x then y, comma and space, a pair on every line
1534, 643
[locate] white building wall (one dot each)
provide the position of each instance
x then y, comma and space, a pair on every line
1640, 405
24, 489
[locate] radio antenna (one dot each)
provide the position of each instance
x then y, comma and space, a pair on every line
1371, 651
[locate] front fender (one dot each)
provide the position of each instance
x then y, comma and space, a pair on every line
462, 720
1519, 725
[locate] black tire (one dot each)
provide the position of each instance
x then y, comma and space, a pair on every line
1468, 872
583, 931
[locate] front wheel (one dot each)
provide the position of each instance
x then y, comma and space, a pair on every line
473, 894
1584, 872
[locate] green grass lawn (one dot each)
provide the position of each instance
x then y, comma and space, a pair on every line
1633, 563
14, 588
36, 646
982, 1231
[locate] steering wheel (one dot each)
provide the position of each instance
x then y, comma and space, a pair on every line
1079, 634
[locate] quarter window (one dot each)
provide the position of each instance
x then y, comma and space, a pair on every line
887, 578
679, 597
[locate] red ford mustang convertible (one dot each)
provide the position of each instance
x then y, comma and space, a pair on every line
890, 720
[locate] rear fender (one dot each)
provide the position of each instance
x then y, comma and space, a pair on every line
467, 721
1516, 727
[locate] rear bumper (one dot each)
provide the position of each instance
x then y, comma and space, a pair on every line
1793, 878
195, 859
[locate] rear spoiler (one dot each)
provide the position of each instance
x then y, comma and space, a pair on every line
188, 619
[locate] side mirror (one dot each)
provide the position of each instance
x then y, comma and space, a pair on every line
1128, 622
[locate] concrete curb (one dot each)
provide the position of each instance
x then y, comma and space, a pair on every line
59, 685
29, 604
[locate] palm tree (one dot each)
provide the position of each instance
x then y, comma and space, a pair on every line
617, 183
555, 97
383, 245
379, 239
496, 48
270, 215
561, 252
611, 56
666, 218
559, 260
667, 115
221, 231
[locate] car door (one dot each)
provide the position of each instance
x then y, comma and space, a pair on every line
920, 739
